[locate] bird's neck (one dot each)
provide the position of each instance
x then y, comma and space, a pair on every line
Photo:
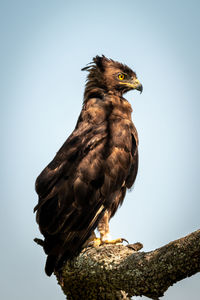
94, 93
99, 92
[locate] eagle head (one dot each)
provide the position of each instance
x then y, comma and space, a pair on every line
110, 75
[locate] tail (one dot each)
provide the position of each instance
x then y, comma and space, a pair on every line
63, 248
50, 264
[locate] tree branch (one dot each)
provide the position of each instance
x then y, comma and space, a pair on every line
119, 272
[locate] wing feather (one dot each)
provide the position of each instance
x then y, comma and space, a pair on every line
89, 174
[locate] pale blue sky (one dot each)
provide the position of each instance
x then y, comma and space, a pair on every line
44, 44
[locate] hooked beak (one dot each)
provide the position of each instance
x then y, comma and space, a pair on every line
134, 84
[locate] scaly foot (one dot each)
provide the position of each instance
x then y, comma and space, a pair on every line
95, 242
116, 241
106, 239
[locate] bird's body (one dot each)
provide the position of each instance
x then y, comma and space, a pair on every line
87, 179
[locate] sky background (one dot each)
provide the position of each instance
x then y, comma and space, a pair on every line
44, 44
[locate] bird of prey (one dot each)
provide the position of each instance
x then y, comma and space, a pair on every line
86, 182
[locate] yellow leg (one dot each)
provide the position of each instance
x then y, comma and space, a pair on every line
103, 228
105, 238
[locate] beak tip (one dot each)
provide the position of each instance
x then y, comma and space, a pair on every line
140, 88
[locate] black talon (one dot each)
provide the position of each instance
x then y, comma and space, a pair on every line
124, 240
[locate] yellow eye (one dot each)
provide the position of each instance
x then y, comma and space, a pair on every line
121, 76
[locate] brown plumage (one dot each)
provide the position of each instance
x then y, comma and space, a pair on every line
85, 183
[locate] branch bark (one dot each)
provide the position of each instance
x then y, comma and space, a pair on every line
119, 272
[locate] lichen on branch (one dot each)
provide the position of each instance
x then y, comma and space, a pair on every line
120, 272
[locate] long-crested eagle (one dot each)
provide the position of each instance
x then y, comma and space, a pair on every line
82, 187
